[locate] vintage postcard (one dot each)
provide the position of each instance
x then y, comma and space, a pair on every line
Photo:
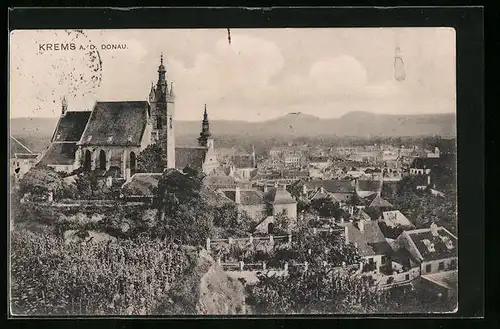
233, 171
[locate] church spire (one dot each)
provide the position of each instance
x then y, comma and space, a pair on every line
162, 86
64, 105
205, 129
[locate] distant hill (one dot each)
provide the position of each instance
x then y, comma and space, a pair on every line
37, 131
362, 124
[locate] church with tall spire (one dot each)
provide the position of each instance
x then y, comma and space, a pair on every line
111, 135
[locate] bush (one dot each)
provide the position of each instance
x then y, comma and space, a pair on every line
126, 277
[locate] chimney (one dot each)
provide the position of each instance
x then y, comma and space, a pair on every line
361, 225
434, 229
276, 184
302, 217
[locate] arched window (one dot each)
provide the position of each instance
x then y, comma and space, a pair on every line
87, 160
170, 123
102, 160
132, 163
270, 228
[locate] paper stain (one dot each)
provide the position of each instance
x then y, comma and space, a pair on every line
399, 67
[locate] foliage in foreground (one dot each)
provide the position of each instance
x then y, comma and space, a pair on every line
126, 277
321, 291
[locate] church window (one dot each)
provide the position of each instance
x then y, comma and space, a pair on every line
170, 123
132, 163
87, 160
102, 160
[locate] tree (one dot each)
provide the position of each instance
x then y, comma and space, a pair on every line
150, 159
326, 208
87, 184
184, 215
40, 181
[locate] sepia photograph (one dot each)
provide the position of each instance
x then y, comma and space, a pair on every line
233, 171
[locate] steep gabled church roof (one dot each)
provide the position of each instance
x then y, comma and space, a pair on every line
71, 126
116, 124
59, 154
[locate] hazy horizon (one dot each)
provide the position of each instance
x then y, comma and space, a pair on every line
278, 117
262, 75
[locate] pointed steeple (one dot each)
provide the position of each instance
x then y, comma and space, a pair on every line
162, 87
205, 129
172, 89
64, 105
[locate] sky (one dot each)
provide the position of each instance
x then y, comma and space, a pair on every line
262, 74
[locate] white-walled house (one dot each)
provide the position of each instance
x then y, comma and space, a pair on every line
434, 249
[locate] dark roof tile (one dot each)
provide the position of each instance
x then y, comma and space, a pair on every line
59, 154
368, 185
116, 123
370, 241
70, 126
332, 186
440, 249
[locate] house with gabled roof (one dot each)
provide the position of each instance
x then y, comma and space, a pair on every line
434, 249
372, 246
249, 200
21, 158
340, 190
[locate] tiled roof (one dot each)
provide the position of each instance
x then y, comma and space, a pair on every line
192, 157
360, 214
70, 126
143, 184
219, 180
370, 241
440, 249
17, 146
423, 163
332, 185
278, 195
116, 123
247, 197
396, 218
59, 154
368, 185
321, 195
242, 160
378, 202
448, 279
